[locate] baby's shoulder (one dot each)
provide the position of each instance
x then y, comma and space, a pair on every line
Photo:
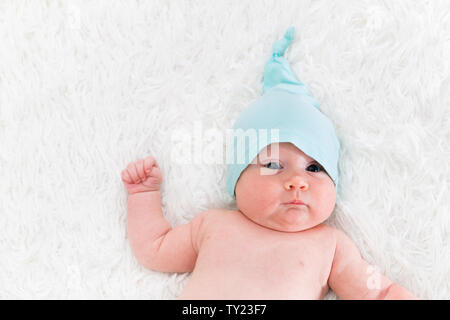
338, 238
326, 234
324, 230
205, 221
211, 215
215, 213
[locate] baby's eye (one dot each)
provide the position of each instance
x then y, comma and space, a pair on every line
314, 168
273, 165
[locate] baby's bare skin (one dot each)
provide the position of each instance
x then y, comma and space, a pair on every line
267, 249
239, 259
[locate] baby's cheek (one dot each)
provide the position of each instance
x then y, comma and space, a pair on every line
256, 196
327, 202
266, 196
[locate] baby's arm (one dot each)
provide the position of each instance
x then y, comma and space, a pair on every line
351, 277
154, 242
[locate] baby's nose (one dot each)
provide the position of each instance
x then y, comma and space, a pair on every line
296, 182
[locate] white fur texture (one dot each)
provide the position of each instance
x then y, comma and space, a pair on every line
88, 86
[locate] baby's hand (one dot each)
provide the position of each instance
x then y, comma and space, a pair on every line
142, 176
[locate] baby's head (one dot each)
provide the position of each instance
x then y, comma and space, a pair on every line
266, 188
308, 152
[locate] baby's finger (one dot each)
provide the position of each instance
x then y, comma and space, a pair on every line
131, 168
149, 162
140, 169
126, 176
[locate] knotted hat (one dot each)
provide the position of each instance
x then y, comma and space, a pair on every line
288, 109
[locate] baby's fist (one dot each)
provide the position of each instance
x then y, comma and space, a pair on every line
142, 176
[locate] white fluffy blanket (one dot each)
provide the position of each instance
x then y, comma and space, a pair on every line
88, 86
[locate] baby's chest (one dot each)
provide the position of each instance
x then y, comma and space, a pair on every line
282, 256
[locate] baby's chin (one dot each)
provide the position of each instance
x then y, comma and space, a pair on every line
287, 228
292, 220
289, 221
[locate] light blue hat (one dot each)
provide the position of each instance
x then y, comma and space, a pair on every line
286, 105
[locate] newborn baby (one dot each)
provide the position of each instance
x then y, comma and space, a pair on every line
275, 245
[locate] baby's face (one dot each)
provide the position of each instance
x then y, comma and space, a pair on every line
269, 183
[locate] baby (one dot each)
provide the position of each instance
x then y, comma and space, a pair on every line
275, 245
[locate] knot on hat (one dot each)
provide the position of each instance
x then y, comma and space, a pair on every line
281, 45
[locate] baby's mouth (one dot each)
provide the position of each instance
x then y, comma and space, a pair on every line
296, 202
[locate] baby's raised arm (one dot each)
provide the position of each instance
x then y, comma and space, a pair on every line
352, 277
154, 242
